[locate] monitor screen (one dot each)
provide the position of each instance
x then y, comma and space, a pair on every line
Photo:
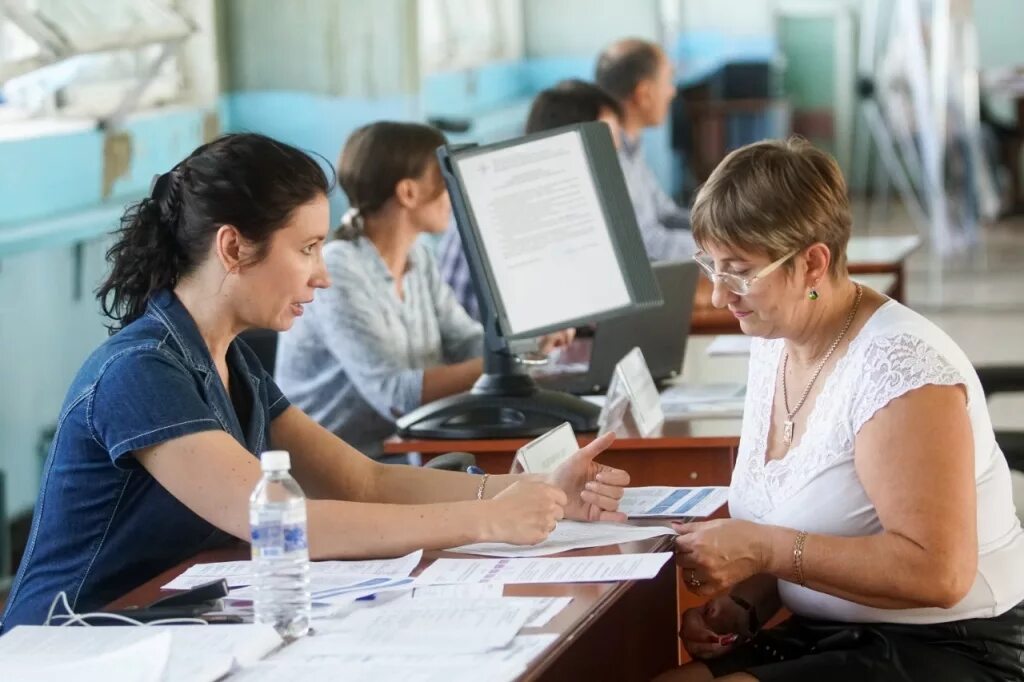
543, 231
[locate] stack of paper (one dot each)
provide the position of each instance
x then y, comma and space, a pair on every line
189, 653
569, 535
704, 400
331, 573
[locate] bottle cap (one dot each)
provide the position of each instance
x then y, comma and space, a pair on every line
275, 460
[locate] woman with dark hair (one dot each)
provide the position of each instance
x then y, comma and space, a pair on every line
388, 335
154, 456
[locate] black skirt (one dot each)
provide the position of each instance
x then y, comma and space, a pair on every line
802, 649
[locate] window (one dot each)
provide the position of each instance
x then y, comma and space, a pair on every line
98, 59
460, 34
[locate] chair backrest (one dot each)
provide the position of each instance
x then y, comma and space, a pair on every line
264, 343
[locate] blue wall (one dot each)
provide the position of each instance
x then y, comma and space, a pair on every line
51, 198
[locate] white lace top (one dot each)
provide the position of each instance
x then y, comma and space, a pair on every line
815, 487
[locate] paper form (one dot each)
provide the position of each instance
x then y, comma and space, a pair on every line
98, 654
379, 669
569, 535
582, 569
662, 502
325, 593
542, 609
196, 653
478, 591
506, 663
239, 573
415, 626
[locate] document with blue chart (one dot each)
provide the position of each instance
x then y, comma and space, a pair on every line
668, 502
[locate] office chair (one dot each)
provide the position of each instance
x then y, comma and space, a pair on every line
1006, 379
264, 343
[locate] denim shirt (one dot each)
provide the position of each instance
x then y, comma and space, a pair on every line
102, 524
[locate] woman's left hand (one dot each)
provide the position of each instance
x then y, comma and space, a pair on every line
716, 555
593, 489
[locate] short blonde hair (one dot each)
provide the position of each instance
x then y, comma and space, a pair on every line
775, 197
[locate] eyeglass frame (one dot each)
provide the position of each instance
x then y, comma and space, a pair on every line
747, 282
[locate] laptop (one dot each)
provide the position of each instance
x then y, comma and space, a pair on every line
586, 366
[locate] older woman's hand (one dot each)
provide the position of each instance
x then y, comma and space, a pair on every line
715, 555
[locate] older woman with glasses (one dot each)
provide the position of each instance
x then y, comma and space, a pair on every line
869, 497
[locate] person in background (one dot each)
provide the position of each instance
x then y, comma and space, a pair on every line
156, 448
568, 102
639, 75
387, 335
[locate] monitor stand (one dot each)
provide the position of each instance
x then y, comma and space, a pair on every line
505, 402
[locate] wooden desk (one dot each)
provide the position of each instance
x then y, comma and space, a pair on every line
684, 453
609, 631
876, 262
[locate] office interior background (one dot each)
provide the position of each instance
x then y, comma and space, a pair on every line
97, 97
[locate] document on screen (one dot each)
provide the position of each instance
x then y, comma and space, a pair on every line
543, 230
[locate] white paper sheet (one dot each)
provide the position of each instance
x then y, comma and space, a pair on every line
730, 344
379, 669
569, 535
326, 593
196, 652
704, 400
478, 591
419, 626
239, 573
82, 654
505, 663
668, 502
542, 609
581, 569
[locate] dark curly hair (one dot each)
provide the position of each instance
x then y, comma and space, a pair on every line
246, 180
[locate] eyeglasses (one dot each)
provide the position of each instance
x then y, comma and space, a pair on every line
734, 283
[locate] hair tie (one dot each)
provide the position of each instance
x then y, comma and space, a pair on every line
158, 187
352, 224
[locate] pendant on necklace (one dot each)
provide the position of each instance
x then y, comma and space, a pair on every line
787, 432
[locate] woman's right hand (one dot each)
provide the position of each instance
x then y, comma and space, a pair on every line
713, 629
524, 513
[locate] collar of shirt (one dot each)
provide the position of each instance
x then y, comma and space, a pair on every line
166, 307
631, 146
369, 254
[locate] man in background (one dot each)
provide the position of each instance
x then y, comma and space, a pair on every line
639, 75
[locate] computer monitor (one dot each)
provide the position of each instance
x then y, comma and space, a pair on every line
552, 242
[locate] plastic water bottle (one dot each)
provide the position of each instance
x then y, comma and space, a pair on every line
280, 550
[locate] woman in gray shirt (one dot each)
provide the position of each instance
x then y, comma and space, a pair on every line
388, 334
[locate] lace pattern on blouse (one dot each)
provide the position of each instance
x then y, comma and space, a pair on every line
875, 370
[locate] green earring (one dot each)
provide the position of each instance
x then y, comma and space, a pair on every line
813, 295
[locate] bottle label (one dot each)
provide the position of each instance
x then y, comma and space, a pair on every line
275, 535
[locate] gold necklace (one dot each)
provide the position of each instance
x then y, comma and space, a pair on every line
787, 433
